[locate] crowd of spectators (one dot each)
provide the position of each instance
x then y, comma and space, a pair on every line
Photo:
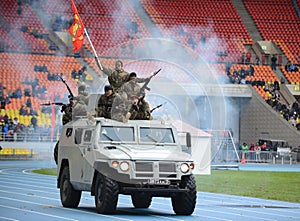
239, 76
290, 113
13, 130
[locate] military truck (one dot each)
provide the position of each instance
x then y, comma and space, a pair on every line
140, 158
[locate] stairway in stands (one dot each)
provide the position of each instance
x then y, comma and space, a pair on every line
247, 20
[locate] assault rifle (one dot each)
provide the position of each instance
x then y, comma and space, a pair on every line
158, 106
53, 103
63, 106
71, 95
145, 86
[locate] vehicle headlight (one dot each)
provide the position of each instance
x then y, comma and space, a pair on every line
184, 168
124, 166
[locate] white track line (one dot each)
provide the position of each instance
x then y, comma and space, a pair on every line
39, 213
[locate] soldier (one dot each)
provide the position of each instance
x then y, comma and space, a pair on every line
117, 77
137, 108
105, 102
67, 109
130, 88
80, 107
140, 110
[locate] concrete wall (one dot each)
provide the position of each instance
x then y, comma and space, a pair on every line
258, 117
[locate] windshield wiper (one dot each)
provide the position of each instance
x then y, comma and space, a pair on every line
153, 139
108, 137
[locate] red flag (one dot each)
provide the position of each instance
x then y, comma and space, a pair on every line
76, 30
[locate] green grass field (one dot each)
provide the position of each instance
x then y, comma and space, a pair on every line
283, 186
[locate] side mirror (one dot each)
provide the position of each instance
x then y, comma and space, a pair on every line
188, 139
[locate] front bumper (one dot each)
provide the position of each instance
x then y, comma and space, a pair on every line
144, 173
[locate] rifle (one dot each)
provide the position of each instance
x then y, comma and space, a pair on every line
145, 86
54, 103
71, 95
158, 106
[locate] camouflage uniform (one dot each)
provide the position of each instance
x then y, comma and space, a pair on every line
67, 113
118, 110
129, 89
105, 104
117, 78
137, 107
141, 111
80, 107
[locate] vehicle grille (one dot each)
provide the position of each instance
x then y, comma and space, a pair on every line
155, 169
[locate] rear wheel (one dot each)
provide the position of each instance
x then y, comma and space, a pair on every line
140, 200
106, 194
184, 203
68, 196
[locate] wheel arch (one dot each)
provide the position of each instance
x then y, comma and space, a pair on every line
64, 162
93, 191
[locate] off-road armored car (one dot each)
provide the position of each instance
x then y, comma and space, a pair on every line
140, 158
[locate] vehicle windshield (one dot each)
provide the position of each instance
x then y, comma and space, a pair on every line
119, 134
156, 135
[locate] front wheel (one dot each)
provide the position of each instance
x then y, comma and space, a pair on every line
184, 203
106, 194
68, 196
141, 200
55, 152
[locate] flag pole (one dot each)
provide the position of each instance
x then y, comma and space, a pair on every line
87, 35
95, 53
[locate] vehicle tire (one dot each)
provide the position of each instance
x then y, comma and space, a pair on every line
68, 196
106, 194
141, 200
55, 152
184, 203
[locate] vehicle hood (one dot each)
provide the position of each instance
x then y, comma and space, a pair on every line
155, 153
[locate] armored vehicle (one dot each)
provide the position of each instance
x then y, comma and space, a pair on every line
140, 158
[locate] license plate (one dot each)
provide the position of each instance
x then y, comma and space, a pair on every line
159, 182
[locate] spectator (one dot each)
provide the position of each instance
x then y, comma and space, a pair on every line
245, 147
252, 148
28, 103
243, 58
248, 57
257, 61
33, 121
3, 103
273, 62
257, 153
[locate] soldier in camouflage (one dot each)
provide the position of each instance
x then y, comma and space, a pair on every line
117, 77
67, 109
81, 102
137, 108
105, 102
140, 110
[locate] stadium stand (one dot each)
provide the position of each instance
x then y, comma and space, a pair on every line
215, 26
280, 25
24, 27
113, 30
213, 29
16, 153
